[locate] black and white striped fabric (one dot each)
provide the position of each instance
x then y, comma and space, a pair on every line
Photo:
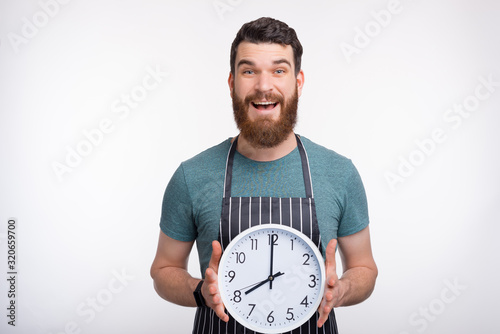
240, 213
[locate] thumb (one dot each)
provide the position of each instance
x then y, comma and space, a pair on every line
330, 264
216, 255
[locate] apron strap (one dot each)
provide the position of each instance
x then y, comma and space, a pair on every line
303, 157
305, 168
229, 169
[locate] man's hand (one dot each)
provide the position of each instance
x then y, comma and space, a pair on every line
334, 288
210, 289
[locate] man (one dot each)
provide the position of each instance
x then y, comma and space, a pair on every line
265, 83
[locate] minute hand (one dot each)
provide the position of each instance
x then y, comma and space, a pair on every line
272, 260
274, 238
269, 279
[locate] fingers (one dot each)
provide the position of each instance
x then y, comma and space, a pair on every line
213, 298
219, 311
216, 255
210, 289
325, 307
331, 286
330, 263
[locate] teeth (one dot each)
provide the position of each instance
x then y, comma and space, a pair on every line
264, 103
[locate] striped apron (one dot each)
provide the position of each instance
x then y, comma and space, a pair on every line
240, 213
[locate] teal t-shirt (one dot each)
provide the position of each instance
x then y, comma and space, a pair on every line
193, 199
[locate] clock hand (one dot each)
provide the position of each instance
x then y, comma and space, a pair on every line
273, 241
258, 285
278, 274
271, 269
251, 285
269, 279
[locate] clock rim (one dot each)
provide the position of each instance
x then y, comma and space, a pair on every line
315, 250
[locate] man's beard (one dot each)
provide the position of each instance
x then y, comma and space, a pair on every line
264, 132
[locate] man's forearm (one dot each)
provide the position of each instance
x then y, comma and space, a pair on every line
175, 285
358, 285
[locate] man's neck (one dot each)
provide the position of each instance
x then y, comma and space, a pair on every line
266, 154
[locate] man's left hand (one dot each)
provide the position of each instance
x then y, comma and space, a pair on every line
334, 288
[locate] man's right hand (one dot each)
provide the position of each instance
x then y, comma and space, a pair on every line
210, 288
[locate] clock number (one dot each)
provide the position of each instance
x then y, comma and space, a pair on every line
231, 275
307, 256
290, 314
292, 243
304, 302
253, 306
237, 296
273, 238
270, 318
254, 243
240, 257
313, 281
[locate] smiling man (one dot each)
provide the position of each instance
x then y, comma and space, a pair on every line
267, 160
263, 78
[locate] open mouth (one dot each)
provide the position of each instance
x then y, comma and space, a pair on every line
264, 105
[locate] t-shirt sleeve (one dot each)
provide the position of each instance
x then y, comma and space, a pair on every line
355, 213
177, 210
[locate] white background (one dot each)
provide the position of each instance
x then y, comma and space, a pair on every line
436, 227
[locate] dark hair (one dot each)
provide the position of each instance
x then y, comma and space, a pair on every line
267, 30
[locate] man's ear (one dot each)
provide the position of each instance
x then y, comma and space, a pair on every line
300, 82
230, 82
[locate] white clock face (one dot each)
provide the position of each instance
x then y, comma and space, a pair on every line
271, 278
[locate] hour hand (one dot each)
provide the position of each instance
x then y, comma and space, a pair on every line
269, 279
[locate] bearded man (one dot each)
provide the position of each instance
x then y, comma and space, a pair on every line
267, 160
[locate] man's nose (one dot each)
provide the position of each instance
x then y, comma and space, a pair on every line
264, 83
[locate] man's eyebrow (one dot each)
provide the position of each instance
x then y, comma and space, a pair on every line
245, 62
282, 61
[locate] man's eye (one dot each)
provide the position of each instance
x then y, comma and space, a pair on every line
280, 71
248, 72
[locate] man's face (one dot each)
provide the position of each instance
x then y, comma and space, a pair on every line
265, 92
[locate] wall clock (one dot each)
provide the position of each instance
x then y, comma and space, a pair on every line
271, 278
